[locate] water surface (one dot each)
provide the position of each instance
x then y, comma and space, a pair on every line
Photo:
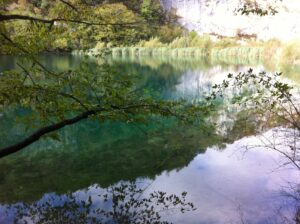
225, 184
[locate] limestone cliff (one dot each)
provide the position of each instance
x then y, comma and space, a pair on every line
219, 17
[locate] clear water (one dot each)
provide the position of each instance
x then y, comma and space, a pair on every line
58, 179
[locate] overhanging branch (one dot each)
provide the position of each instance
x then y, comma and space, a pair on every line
70, 5
52, 21
46, 130
85, 115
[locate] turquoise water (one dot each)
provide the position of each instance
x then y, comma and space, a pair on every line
64, 181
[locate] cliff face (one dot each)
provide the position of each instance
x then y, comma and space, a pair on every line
219, 17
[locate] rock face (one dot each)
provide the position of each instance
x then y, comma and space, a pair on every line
219, 17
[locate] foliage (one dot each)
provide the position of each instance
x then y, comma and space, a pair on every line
167, 33
76, 91
151, 10
124, 150
290, 53
271, 47
180, 42
269, 90
70, 96
225, 43
273, 53
201, 42
152, 43
126, 202
249, 7
133, 24
274, 102
99, 45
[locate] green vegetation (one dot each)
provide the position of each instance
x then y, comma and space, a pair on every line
290, 54
238, 55
133, 28
274, 54
115, 23
226, 50
56, 99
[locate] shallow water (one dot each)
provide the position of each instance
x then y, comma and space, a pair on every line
225, 184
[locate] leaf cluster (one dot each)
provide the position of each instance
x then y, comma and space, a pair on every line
123, 203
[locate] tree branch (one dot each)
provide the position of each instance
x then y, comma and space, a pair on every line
46, 130
52, 21
70, 5
54, 127
26, 52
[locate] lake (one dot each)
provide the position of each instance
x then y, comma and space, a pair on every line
68, 180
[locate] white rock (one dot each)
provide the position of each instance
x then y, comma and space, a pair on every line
218, 16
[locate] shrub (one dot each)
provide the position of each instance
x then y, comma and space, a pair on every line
99, 45
290, 54
270, 48
226, 42
167, 33
202, 42
61, 43
180, 42
192, 40
152, 43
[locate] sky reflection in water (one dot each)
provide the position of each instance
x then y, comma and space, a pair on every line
223, 185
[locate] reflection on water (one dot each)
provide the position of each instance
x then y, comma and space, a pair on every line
123, 203
54, 62
221, 184
89, 153
53, 178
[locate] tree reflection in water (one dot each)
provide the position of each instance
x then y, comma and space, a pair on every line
271, 105
123, 203
293, 192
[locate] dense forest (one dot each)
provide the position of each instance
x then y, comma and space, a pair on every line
135, 21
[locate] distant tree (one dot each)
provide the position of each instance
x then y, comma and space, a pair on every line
151, 10
256, 7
